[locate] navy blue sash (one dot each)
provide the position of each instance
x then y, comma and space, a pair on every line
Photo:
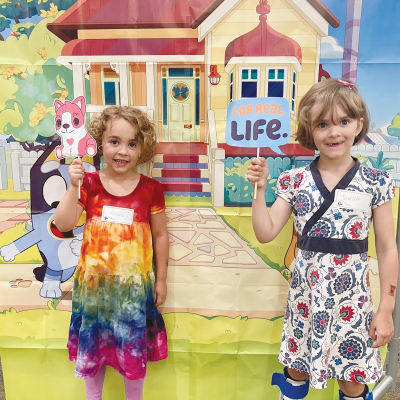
328, 245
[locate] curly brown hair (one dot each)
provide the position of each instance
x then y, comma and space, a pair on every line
330, 93
145, 131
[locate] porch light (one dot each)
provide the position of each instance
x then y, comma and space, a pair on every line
214, 76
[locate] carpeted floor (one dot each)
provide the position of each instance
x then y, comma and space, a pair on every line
395, 394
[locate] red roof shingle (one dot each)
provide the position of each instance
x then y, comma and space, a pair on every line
134, 47
123, 14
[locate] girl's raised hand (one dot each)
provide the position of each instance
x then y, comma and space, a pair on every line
76, 171
257, 172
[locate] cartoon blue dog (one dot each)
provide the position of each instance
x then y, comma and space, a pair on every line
59, 250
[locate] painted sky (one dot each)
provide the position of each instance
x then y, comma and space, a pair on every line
378, 77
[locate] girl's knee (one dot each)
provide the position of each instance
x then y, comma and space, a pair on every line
353, 390
298, 376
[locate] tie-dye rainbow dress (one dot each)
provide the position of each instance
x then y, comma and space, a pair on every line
114, 319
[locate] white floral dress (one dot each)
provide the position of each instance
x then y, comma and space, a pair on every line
329, 308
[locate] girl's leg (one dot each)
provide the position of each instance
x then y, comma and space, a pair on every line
133, 389
296, 375
353, 391
292, 384
94, 386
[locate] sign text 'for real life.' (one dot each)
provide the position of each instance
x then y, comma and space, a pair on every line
258, 122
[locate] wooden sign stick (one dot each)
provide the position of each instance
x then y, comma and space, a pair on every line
255, 186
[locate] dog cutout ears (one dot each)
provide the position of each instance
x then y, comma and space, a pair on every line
70, 126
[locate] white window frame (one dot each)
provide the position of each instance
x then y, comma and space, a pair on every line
231, 79
248, 67
293, 97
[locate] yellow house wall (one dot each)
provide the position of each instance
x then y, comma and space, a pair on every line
243, 19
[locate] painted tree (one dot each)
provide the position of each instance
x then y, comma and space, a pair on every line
26, 119
394, 128
19, 9
30, 82
4, 24
23, 29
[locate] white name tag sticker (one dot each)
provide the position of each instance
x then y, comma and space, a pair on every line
352, 200
117, 214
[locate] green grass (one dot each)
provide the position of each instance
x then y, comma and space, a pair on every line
217, 358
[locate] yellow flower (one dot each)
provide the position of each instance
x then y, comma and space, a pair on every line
42, 52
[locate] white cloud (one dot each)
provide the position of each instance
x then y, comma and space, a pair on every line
330, 48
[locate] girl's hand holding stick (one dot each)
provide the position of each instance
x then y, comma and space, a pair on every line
79, 185
76, 173
257, 173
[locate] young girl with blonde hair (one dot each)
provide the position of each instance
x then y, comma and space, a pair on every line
330, 329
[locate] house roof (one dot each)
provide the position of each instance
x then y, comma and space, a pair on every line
134, 47
329, 17
263, 41
123, 14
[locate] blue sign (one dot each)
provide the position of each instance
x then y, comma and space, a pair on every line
258, 122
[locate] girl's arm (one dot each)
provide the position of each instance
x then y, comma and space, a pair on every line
68, 210
382, 329
266, 224
161, 253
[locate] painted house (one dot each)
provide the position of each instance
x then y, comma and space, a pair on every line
183, 61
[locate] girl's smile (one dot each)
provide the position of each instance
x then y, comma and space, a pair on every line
121, 151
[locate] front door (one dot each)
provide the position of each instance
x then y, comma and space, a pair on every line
180, 99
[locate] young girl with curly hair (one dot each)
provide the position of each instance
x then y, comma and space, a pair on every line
115, 320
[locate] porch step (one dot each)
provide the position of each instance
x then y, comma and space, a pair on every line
181, 148
182, 169
190, 173
180, 159
186, 187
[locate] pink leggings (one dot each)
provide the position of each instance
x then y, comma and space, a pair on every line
94, 386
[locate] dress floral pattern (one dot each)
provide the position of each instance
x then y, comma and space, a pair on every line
114, 319
329, 308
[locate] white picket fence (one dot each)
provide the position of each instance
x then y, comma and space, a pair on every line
21, 164
3, 169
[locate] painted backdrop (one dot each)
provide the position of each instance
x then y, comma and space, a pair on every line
183, 62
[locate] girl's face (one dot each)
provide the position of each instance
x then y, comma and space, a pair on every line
121, 151
334, 134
